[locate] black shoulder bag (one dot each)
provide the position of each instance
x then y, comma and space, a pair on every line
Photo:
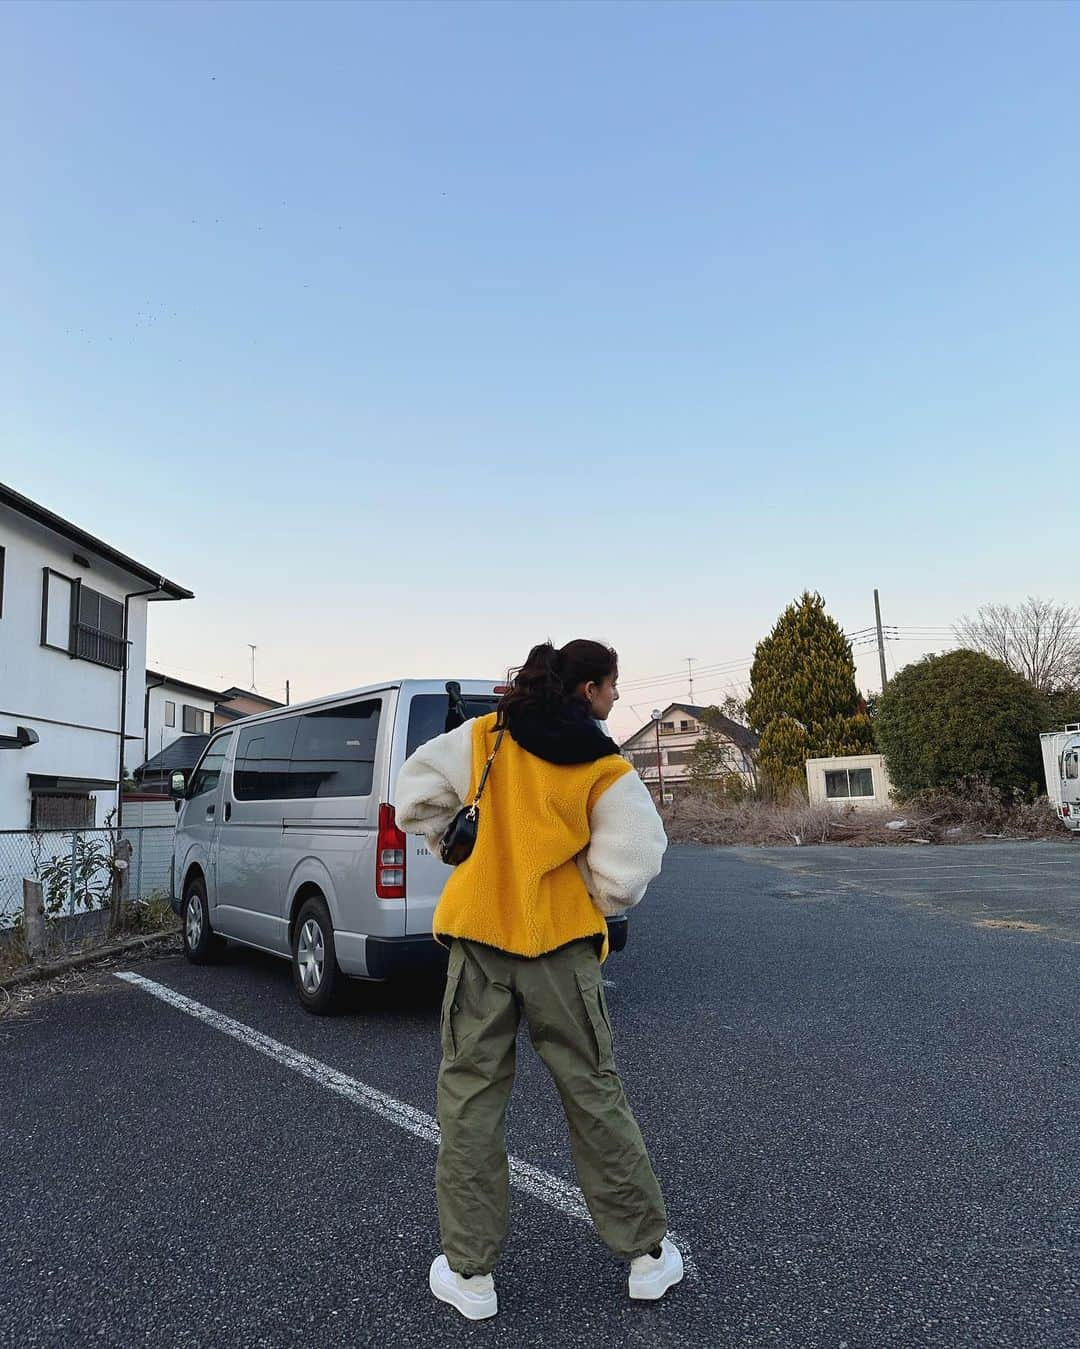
460, 837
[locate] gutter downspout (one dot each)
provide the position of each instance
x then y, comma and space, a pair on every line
146, 716
134, 594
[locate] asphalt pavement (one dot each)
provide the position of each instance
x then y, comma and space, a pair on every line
859, 1087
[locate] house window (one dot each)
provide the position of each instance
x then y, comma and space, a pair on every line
56, 593
99, 633
80, 621
842, 783
52, 811
686, 725
170, 713
196, 721
677, 757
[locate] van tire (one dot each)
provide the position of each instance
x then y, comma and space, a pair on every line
202, 945
314, 956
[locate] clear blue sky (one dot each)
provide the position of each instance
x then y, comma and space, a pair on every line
406, 335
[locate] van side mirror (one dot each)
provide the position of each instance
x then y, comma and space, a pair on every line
177, 785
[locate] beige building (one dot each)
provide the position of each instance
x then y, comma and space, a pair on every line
859, 780
669, 754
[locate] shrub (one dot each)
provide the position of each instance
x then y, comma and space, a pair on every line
948, 719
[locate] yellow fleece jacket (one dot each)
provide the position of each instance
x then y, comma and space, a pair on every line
558, 845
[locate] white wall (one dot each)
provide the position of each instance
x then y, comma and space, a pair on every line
73, 705
161, 735
815, 781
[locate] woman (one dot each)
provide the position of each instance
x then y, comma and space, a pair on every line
567, 833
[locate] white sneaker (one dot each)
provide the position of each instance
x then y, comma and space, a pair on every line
474, 1297
651, 1277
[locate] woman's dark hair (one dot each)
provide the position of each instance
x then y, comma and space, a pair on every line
551, 674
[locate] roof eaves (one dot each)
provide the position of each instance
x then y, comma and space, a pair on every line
40, 515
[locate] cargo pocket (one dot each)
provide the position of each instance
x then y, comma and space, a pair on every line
450, 1009
592, 995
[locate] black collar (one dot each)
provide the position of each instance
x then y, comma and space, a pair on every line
566, 735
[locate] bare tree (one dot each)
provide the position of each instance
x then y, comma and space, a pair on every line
1038, 639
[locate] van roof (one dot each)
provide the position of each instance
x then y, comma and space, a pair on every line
412, 686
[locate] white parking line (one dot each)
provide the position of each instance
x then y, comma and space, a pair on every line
556, 1193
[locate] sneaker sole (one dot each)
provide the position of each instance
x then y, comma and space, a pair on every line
655, 1294
471, 1311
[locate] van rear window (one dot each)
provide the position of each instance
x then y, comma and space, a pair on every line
428, 713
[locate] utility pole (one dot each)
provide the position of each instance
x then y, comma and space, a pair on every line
657, 714
286, 693
253, 649
690, 666
880, 641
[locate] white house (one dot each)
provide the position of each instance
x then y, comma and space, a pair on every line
174, 708
668, 751
73, 613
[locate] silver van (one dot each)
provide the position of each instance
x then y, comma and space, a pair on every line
286, 838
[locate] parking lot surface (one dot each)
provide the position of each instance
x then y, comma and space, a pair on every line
857, 1076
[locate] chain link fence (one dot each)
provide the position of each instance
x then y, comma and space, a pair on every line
75, 867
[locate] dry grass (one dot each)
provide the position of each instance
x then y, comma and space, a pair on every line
937, 817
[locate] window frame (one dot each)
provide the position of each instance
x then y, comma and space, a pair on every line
170, 713
76, 585
220, 739
199, 717
849, 795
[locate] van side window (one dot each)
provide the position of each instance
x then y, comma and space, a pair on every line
205, 777
334, 751
1072, 764
262, 761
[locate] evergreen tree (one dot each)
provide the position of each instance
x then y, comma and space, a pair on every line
803, 699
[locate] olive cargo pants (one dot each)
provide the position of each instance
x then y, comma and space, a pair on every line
563, 1001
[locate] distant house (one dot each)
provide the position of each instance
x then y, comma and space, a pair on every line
235, 703
73, 612
682, 725
179, 719
175, 707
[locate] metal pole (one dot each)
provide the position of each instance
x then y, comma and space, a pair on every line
286, 693
659, 764
880, 641
690, 665
71, 875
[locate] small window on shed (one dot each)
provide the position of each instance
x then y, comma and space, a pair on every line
842, 783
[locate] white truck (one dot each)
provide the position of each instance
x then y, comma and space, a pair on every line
1061, 763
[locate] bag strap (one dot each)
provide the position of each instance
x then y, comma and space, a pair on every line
487, 770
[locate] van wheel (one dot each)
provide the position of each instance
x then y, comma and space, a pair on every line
201, 943
314, 962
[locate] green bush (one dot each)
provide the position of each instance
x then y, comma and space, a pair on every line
947, 719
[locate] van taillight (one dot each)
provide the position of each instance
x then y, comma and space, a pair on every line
502, 688
389, 857
1065, 810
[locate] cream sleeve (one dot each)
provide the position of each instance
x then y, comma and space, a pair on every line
433, 784
627, 846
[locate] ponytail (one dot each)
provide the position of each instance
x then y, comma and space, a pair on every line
551, 674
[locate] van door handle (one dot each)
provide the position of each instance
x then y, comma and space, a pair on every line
209, 812
228, 811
